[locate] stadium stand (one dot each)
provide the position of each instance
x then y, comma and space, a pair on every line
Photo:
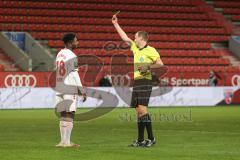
231, 12
183, 31
6, 64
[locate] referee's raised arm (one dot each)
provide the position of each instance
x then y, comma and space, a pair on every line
120, 31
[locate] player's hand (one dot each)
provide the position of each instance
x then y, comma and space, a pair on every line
143, 69
84, 97
114, 19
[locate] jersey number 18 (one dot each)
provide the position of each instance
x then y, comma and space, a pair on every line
61, 68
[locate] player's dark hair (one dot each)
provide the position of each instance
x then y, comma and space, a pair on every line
68, 37
143, 35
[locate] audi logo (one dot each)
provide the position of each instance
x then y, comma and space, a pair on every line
20, 81
121, 79
236, 80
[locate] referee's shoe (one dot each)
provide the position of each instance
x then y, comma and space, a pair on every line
149, 143
136, 143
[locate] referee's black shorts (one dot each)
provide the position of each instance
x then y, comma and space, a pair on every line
142, 89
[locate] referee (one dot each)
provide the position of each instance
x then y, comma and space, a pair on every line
145, 59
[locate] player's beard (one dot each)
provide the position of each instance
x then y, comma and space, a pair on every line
75, 46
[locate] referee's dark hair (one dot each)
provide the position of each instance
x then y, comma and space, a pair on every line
68, 37
143, 35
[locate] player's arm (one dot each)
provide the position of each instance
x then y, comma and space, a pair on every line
120, 31
81, 90
158, 64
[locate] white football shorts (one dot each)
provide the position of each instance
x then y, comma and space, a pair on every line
67, 106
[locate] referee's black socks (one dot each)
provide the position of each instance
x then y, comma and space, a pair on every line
141, 127
148, 123
143, 121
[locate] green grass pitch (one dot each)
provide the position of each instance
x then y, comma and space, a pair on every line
205, 133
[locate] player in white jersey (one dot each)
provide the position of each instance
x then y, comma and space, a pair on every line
68, 87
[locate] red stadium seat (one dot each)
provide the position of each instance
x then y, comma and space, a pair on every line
236, 17
1, 68
222, 4
232, 11
183, 31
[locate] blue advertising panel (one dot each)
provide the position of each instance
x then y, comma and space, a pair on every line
237, 38
18, 38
